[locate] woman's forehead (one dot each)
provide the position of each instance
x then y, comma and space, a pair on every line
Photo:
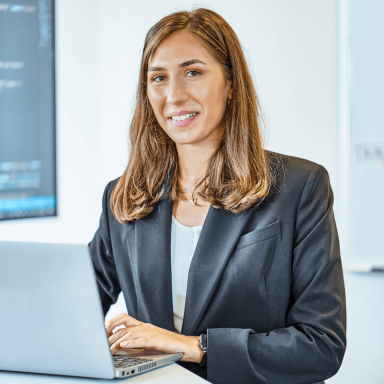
178, 48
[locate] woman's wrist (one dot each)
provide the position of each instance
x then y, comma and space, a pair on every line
193, 352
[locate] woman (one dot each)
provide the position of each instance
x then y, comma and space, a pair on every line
265, 283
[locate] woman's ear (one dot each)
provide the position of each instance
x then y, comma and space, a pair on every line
230, 93
230, 90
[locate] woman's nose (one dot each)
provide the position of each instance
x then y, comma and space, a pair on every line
176, 93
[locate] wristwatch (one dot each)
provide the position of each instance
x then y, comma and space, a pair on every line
204, 346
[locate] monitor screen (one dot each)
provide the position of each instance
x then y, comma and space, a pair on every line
27, 109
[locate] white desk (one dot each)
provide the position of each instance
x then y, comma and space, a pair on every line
170, 374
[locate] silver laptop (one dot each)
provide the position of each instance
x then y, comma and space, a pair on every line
51, 319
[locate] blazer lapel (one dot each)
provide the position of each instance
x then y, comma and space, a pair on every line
218, 238
153, 258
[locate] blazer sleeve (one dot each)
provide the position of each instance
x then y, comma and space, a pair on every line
311, 346
103, 260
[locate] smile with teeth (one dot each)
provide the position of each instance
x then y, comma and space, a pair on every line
183, 117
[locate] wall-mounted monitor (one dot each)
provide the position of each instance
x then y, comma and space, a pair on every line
27, 109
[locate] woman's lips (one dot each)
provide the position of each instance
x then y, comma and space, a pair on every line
183, 123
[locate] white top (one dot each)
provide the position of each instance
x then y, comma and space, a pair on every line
183, 244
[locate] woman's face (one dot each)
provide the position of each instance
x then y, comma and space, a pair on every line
187, 90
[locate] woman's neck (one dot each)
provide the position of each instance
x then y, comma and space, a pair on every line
193, 160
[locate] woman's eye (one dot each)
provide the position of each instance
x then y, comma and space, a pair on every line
193, 73
157, 79
161, 78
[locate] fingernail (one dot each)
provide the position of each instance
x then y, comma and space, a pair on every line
123, 344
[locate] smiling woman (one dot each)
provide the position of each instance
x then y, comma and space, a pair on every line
225, 252
195, 89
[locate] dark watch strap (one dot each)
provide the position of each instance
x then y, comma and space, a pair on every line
204, 346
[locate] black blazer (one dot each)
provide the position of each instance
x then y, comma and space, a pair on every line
266, 285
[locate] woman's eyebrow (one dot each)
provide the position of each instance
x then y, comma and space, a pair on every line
182, 65
191, 62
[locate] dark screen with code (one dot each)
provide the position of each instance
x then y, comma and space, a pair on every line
27, 109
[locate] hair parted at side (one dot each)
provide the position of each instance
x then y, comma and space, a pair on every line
239, 175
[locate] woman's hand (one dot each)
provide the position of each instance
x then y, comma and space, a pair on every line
137, 334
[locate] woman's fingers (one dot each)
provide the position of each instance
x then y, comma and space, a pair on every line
117, 335
142, 342
122, 319
145, 335
114, 347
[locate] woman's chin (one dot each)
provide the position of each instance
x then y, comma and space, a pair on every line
185, 138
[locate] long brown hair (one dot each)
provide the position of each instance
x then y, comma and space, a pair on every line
238, 175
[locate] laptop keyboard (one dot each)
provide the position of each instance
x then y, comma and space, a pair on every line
128, 361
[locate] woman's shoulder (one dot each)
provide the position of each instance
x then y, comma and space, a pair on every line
109, 188
107, 195
295, 178
294, 168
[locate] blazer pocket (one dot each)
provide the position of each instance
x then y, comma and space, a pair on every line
258, 235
